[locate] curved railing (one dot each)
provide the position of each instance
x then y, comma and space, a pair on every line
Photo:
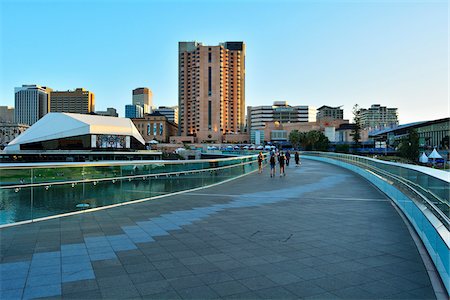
421, 193
29, 192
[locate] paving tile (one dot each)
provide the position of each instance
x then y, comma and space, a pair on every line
203, 268
214, 277
148, 276
90, 294
120, 292
79, 286
304, 289
78, 275
75, 267
227, 288
199, 292
186, 282
257, 283
139, 268
11, 294
12, 284
355, 293
102, 256
110, 271
114, 281
283, 278
42, 291
169, 294
275, 293
171, 273
39, 280
153, 287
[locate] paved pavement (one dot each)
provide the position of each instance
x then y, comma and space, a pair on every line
320, 232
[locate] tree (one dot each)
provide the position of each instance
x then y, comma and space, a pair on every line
294, 138
356, 133
409, 146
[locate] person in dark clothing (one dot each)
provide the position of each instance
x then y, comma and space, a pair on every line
288, 158
272, 165
282, 161
297, 159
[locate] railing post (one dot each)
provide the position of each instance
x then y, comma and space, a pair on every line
32, 194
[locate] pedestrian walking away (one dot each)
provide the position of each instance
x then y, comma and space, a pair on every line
260, 160
282, 161
297, 159
288, 158
272, 165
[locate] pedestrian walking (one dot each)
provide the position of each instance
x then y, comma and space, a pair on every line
297, 159
282, 161
288, 158
260, 160
272, 165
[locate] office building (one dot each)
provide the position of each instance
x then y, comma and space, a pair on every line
144, 98
211, 98
333, 113
32, 102
109, 112
378, 117
133, 111
6, 114
280, 111
155, 126
78, 101
170, 112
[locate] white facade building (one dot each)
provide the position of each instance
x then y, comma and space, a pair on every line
170, 112
32, 102
281, 112
78, 132
378, 117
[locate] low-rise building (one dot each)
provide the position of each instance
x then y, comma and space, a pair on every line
6, 114
155, 126
9, 131
109, 112
66, 131
432, 134
279, 132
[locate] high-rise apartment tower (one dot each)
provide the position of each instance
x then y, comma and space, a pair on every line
32, 102
211, 98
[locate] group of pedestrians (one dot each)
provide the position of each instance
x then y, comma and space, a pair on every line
283, 161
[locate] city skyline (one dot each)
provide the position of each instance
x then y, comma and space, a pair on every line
332, 53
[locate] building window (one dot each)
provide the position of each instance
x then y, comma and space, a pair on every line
209, 82
209, 115
209, 57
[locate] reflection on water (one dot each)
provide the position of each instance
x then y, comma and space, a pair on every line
30, 203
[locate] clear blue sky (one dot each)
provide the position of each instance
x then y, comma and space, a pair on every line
394, 53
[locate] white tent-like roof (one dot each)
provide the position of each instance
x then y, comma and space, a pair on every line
62, 125
423, 158
434, 154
